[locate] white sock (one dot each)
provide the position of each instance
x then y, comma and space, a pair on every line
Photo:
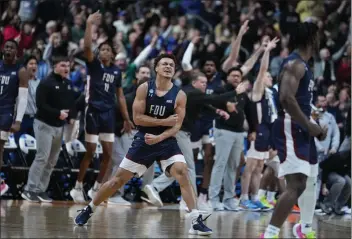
271, 196
92, 206
79, 185
306, 203
254, 197
96, 186
244, 197
261, 193
194, 214
271, 231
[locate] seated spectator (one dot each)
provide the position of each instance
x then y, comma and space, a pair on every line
336, 179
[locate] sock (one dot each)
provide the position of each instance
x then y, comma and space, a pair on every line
79, 185
92, 206
244, 197
271, 196
254, 197
194, 214
271, 231
307, 202
261, 193
96, 186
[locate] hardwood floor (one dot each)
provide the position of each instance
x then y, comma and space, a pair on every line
34, 220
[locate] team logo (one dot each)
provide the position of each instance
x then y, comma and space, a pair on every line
151, 92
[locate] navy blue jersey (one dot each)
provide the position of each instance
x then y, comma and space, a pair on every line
101, 85
266, 108
214, 84
304, 94
159, 107
9, 83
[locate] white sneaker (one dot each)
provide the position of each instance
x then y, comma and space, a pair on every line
118, 200
92, 192
153, 196
203, 204
183, 205
77, 195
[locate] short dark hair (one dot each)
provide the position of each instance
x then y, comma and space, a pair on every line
28, 59
13, 41
58, 59
209, 58
235, 68
110, 44
303, 35
164, 55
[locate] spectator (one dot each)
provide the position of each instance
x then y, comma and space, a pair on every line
331, 143
336, 179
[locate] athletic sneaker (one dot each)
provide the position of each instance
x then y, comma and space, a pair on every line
44, 197
248, 205
92, 192
3, 188
30, 196
273, 202
118, 200
203, 203
297, 232
262, 206
153, 196
262, 236
230, 205
296, 209
217, 205
199, 228
265, 202
77, 195
183, 205
84, 215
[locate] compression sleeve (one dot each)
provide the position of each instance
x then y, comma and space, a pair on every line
21, 103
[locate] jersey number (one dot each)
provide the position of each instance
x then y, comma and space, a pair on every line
107, 87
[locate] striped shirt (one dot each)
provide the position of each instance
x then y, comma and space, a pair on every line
31, 104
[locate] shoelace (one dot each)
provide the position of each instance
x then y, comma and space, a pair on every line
200, 221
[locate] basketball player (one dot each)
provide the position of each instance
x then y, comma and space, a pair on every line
158, 110
13, 85
103, 82
293, 129
263, 98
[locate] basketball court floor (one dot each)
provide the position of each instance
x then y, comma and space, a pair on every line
22, 219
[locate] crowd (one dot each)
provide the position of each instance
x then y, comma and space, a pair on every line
226, 42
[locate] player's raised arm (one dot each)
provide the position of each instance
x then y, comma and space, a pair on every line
259, 85
23, 75
92, 19
139, 107
180, 110
291, 75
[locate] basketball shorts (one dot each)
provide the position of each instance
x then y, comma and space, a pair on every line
99, 125
294, 146
141, 156
259, 149
6, 120
202, 133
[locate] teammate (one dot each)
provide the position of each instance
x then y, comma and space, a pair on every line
263, 98
13, 85
104, 81
158, 110
293, 130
